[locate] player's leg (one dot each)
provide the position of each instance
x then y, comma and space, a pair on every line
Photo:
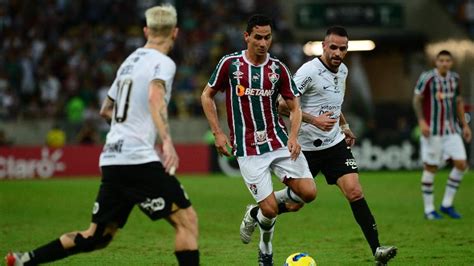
352, 190
298, 179
427, 188
95, 237
160, 195
256, 173
110, 212
431, 155
454, 148
185, 223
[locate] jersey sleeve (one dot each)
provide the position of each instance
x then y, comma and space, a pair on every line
303, 78
164, 70
220, 75
422, 83
288, 89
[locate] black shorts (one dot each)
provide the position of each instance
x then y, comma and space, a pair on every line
333, 162
148, 185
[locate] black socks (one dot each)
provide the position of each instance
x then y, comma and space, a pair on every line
366, 221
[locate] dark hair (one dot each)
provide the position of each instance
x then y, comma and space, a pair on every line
337, 30
258, 20
444, 52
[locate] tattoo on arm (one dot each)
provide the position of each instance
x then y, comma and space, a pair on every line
164, 117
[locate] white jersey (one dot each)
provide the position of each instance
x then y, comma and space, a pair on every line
132, 136
322, 90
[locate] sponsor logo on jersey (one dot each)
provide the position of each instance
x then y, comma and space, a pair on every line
444, 95
305, 83
114, 147
256, 77
157, 70
238, 74
241, 91
273, 77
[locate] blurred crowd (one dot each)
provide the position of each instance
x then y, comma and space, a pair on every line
59, 57
463, 12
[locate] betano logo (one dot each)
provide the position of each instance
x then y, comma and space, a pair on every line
19, 168
241, 91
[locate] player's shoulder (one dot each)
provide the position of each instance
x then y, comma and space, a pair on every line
428, 74
343, 68
455, 74
233, 55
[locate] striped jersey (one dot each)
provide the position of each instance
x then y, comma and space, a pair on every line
322, 91
439, 101
132, 135
251, 100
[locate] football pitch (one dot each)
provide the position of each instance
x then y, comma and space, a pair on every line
36, 212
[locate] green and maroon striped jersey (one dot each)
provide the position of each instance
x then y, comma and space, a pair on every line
251, 100
439, 101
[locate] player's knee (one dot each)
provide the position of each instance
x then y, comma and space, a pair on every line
309, 193
93, 242
461, 166
354, 194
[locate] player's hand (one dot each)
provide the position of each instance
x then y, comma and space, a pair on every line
424, 128
325, 122
222, 144
170, 157
350, 137
466, 133
294, 148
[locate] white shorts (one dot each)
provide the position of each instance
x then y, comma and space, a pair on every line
255, 170
436, 149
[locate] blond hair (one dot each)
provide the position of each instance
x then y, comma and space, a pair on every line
161, 19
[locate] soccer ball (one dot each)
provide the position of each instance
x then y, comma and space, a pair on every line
300, 259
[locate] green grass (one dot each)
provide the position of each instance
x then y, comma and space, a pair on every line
35, 212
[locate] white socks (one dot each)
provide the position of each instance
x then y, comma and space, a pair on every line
427, 187
452, 186
287, 195
267, 226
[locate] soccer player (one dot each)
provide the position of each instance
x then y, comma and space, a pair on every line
132, 172
253, 81
326, 138
439, 108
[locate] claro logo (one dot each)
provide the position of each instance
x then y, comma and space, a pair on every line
19, 168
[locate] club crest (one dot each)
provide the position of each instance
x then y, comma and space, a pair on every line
273, 77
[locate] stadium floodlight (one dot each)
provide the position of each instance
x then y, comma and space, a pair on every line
316, 48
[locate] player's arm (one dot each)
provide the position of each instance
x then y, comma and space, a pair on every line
323, 122
466, 130
295, 114
159, 113
210, 110
418, 108
106, 109
344, 125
